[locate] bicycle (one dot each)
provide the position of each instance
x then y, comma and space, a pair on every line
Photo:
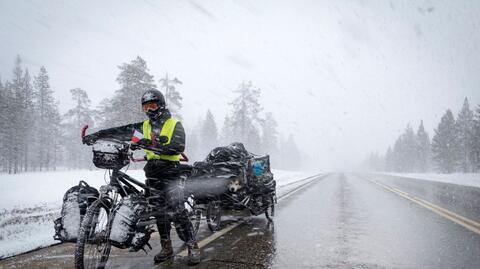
94, 240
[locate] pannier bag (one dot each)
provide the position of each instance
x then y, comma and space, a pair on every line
126, 217
110, 154
75, 203
261, 178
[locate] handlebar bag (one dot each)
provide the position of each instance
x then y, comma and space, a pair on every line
110, 154
75, 203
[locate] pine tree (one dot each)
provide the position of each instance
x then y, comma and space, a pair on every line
55, 132
193, 145
208, 133
18, 116
422, 150
173, 98
269, 140
253, 141
375, 162
410, 157
290, 154
227, 134
74, 119
389, 160
7, 131
48, 129
28, 119
3, 126
444, 144
404, 152
245, 117
464, 128
397, 155
475, 142
124, 107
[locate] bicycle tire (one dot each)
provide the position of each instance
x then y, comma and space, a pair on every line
270, 211
214, 215
85, 237
197, 215
196, 221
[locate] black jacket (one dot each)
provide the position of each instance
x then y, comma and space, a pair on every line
124, 133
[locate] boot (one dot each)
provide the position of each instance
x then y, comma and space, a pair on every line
193, 253
166, 253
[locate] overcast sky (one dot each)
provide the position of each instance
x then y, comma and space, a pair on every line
344, 77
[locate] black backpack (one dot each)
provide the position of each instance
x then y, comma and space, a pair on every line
75, 203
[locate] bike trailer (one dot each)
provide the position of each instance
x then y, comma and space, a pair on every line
75, 203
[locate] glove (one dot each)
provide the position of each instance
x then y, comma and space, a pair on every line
140, 144
89, 140
144, 142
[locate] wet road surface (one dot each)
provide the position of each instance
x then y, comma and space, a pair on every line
337, 221
344, 221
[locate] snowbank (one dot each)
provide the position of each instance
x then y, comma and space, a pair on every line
284, 177
471, 179
29, 202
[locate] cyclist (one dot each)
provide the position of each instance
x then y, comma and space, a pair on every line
161, 169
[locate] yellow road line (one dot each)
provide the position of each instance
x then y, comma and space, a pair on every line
460, 220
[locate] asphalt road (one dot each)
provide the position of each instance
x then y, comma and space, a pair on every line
337, 221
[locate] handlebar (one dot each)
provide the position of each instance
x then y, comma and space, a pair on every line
84, 130
184, 158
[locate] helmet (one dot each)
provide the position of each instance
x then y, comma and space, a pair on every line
153, 96
153, 104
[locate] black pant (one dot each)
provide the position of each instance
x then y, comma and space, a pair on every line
164, 177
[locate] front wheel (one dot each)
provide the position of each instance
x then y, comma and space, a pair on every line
93, 244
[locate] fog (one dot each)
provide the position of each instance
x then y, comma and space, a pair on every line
344, 77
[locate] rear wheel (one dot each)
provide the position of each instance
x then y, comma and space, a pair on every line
214, 215
270, 212
195, 216
93, 245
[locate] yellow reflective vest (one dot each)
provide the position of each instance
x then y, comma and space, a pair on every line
167, 130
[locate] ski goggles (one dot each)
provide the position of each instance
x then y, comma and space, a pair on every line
150, 106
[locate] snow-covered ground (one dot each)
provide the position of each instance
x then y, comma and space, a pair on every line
471, 179
29, 202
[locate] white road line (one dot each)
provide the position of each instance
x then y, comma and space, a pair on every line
296, 189
460, 220
212, 237
68, 256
